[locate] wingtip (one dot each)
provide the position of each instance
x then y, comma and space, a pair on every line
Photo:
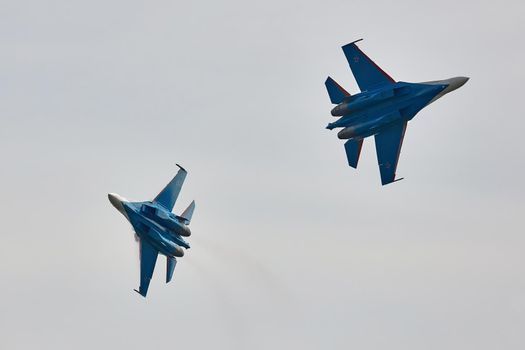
143, 295
391, 182
353, 42
181, 168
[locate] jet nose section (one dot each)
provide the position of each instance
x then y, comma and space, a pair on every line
113, 198
460, 81
443, 87
456, 83
117, 201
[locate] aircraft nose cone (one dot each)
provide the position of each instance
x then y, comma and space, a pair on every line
113, 199
456, 83
117, 202
462, 81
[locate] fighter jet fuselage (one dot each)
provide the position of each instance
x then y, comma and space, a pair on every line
155, 224
157, 229
175, 225
383, 109
368, 112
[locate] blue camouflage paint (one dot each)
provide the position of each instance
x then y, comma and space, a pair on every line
382, 108
157, 228
367, 74
335, 91
170, 267
353, 150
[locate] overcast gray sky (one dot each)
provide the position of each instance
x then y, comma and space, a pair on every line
291, 248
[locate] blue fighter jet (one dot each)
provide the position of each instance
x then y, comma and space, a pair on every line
382, 108
157, 229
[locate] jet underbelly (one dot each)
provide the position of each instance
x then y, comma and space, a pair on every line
155, 234
369, 127
163, 244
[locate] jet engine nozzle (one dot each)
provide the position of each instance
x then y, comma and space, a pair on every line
177, 251
340, 110
347, 133
185, 232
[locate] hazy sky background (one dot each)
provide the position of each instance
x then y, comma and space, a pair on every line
291, 248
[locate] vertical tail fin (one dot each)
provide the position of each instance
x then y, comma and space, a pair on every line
188, 213
353, 150
170, 267
335, 91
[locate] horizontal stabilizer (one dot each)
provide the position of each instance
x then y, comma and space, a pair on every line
336, 93
353, 150
170, 267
